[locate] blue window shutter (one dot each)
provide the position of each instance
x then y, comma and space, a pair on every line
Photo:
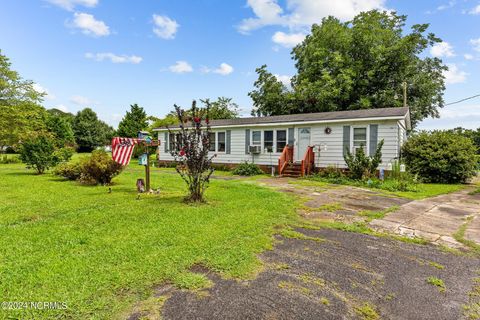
228, 141
373, 139
165, 143
346, 139
291, 136
247, 140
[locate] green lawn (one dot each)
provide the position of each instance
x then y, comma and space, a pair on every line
101, 252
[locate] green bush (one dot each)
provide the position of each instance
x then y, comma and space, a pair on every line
71, 171
440, 156
99, 168
247, 169
6, 159
360, 165
39, 153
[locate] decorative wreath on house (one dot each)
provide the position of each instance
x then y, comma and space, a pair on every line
328, 130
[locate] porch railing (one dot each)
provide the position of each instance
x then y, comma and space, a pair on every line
308, 162
285, 158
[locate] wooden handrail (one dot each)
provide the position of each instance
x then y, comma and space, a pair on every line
308, 161
285, 158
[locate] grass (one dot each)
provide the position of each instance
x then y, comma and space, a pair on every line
102, 253
434, 281
472, 309
372, 215
460, 237
422, 191
367, 312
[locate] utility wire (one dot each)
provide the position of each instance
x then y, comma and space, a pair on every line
477, 95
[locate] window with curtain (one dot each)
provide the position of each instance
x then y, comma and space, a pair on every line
211, 138
256, 138
281, 140
360, 138
172, 139
268, 140
221, 142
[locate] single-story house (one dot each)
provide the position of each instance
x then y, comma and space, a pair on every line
275, 140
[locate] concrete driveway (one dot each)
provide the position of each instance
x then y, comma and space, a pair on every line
436, 219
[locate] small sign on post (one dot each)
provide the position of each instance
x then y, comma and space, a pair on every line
146, 141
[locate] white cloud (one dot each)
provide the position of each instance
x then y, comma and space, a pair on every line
303, 13
476, 44
288, 40
165, 27
446, 6
181, 67
283, 79
224, 69
468, 56
454, 74
48, 95
81, 101
71, 4
61, 107
442, 49
89, 25
475, 10
457, 115
113, 57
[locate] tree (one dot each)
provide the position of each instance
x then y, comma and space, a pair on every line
222, 108
270, 96
21, 114
360, 64
190, 150
88, 130
61, 130
39, 153
471, 134
135, 120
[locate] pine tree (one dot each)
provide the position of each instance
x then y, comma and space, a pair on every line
135, 120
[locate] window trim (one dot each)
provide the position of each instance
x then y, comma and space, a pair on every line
217, 141
276, 139
262, 139
367, 137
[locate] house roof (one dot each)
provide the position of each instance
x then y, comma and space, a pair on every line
334, 116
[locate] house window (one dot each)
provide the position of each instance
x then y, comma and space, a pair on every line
173, 138
268, 141
281, 140
360, 138
256, 138
221, 142
211, 139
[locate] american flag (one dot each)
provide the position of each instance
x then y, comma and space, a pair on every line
122, 149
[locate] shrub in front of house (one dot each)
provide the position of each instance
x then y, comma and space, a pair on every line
440, 157
99, 168
362, 166
247, 169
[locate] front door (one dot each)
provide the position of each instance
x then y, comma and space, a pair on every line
303, 142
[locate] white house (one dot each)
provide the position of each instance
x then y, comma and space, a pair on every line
262, 140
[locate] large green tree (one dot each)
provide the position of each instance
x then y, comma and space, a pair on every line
222, 108
135, 120
89, 131
21, 114
61, 129
360, 64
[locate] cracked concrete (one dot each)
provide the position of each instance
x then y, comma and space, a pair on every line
436, 219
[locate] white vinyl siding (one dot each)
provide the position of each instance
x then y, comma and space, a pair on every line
331, 145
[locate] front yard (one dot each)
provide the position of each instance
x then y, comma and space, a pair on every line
100, 252
108, 253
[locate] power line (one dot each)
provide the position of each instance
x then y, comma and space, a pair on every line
477, 95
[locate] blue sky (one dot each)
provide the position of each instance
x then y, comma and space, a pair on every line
108, 54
